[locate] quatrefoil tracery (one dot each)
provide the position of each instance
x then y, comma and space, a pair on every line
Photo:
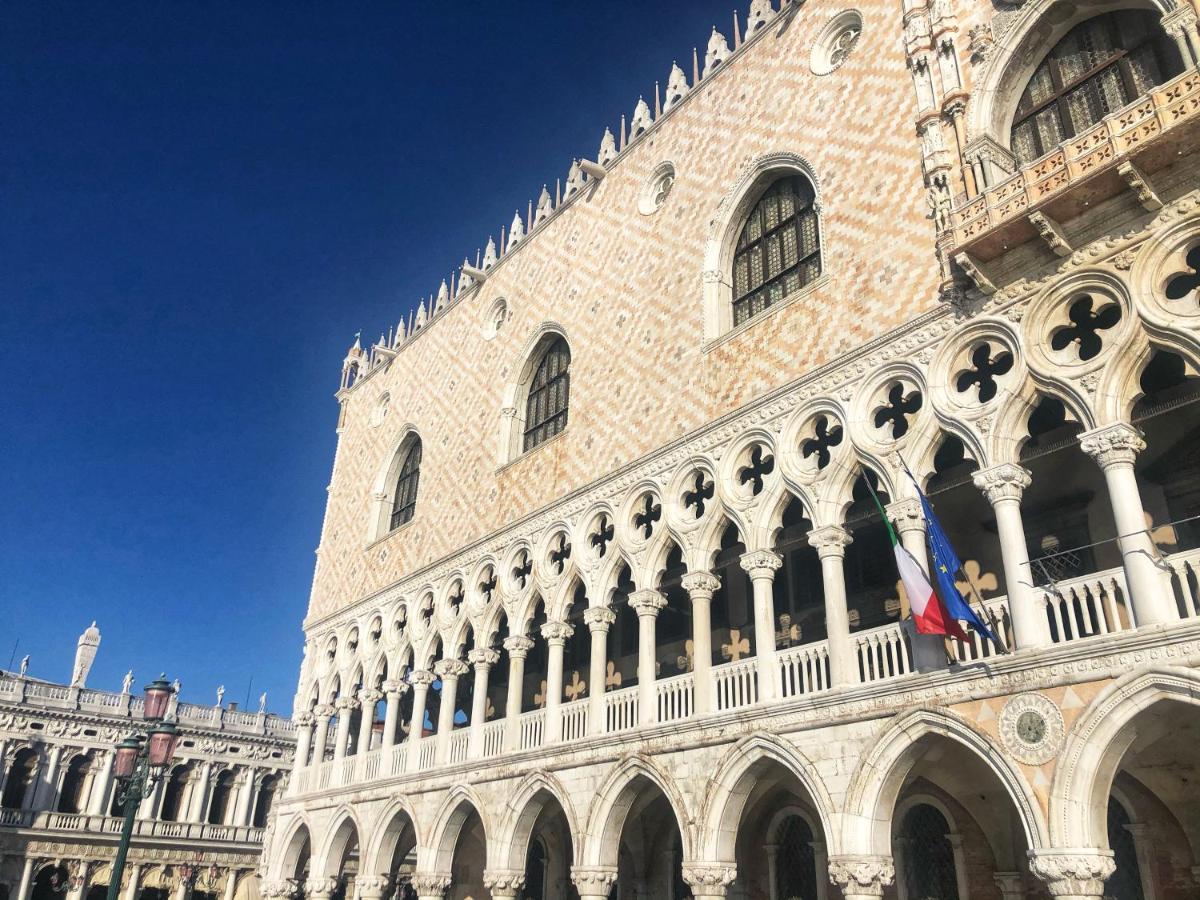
1186, 282
986, 369
648, 513
702, 490
827, 433
1089, 317
895, 414
522, 570
602, 536
762, 464
560, 553
488, 584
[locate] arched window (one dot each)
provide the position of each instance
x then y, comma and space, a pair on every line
1098, 67
404, 500
779, 250
549, 394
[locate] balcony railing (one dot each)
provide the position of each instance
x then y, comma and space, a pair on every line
1078, 609
143, 828
995, 219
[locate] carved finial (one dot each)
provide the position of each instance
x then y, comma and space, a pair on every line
737, 31
465, 281
574, 178
545, 206
608, 148
422, 316
489, 254
760, 12
718, 51
677, 86
443, 296
641, 119
517, 231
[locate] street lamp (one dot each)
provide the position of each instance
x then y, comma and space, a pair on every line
140, 761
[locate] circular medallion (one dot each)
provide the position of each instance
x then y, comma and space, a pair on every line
1032, 728
654, 193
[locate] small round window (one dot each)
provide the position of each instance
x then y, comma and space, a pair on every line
654, 193
497, 315
836, 42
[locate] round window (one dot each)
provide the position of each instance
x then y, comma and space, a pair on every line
836, 42
654, 193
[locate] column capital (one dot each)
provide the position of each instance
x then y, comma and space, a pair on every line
345, 703
518, 646
906, 514
371, 887
830, 540
700, 585
593, 880
1113, 445
599, 618
369, 697
1011, 884
761, 563
557, 632
322, 887
860, 876
709, 879
418, 677
324, 710
304, 720
392, 686
431, 884
1074, 872
1006, 481
450, 668
483, 656
504, 883
1181, 18
647, 602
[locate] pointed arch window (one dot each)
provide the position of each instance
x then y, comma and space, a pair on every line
404, 500
1097, 67
779, 249
549, 395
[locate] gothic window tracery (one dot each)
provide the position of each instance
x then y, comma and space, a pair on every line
404, 500
549, 395
779, 250
1098, 67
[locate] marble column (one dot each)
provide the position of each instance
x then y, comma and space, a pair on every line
929, 650
1143, 849
1072, 874
708, 879
323, 713
393, 691
482, 659
101, 787
133, 881
304, 735
44, 790
367, 698
245, 806
772, 851
345, 709
230, 884
420, 679
831, 542
449, 670
1115, 448
1180, 24
861, 877
555, 634
83, 873
1003, 486
200, 795
700, 587
431, 885
599, 620
647, 604
26, 885
504, 884
761, 566
518, 647
593, 882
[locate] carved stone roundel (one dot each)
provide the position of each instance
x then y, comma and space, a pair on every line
1032, 728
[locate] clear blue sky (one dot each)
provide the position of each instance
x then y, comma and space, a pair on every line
200, 203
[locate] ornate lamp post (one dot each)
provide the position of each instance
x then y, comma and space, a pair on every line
141, 760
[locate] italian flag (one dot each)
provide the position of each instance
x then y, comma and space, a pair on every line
928, 612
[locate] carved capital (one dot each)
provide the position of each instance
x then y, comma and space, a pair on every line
431, 884
557, 632
320, 887
395, 687
599, 618
1079, 872
1113, 445
483, 656
372, 886
504, 883
647, 602
1003, 482
700, 585
907, 515
862, 876
709, 879
450, 668
304, 720
518, 645
593, 880
345, 704
508, 412
369, 697
418, 677
761, 563
324, 710
830, 540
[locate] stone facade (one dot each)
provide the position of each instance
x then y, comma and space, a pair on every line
663, 653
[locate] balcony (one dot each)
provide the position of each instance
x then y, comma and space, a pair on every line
1081, 611
57, 822
1119, 153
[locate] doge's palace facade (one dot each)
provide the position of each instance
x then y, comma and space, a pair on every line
603, 606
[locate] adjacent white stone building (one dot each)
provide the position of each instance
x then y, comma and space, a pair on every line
603, 606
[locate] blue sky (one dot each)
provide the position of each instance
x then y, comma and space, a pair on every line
200, 203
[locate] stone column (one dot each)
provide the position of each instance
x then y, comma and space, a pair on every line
1073, 874
1115, 447
449, 670
345, 706
772, 851
647, 604
1003, 486
504, 884
420, 679
101, 785
393, 690
700, 587
367, 698
230, 884
80, 889
593, 882
821, 864
431, 885
960, 863
45, 783
304, 735
1180, 24
709, 879
555, 635
24, 888
245, 806
929, 650
482, 658
900, 847
133, 879
598, 619
1010, 884
861, 877
1143, 849
321, 738
200, 795
831, 542
518, 648
761, 566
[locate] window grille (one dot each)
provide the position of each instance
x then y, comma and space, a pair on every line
928, 856
1098, 67
546, 405
795, 862
404, 502
779, 249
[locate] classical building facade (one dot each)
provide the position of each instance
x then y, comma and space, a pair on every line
604, 606
199, 834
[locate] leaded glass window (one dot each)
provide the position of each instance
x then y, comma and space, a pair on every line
549, 395
779, 250
404, 501
1098, 67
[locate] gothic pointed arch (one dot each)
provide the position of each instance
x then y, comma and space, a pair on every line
453, 814
537, 403
538, 790
396, 488
614, 800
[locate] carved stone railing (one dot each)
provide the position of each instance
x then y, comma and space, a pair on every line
804, 669
533, 728
144, 828
574, 720
735, 684
621, 709
674, 697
